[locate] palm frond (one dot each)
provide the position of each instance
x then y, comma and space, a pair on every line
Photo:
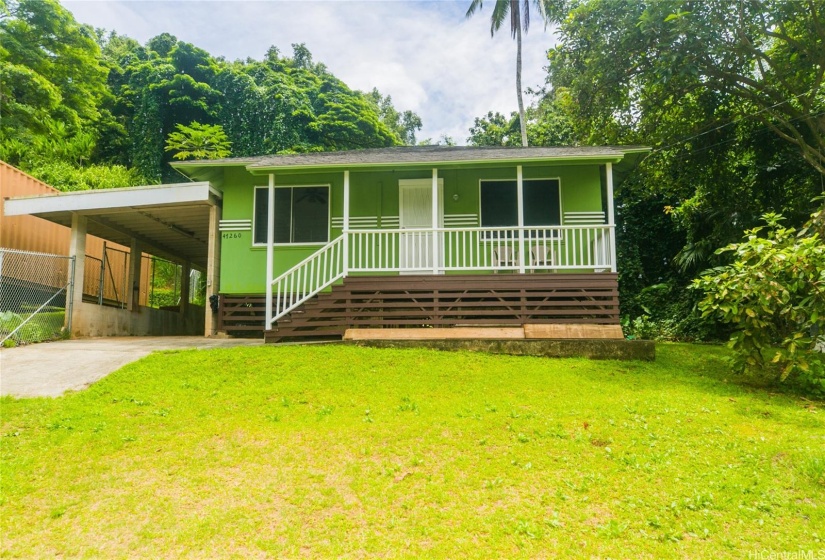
474, 6
500, 13
525, 14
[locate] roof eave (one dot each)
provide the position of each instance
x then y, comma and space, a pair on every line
91, 200
261, 168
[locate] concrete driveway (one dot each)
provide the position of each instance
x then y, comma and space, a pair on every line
52, 368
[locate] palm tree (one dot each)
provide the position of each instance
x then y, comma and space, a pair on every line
501, 10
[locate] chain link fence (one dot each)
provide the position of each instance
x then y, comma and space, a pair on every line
35, 296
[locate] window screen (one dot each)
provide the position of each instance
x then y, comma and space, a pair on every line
301, 215
499, 203
541, 203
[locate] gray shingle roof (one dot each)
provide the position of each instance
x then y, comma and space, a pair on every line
411, 155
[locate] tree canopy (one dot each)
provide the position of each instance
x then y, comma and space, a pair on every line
728, 94
72, 97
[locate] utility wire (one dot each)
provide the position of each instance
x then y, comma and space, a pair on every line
763, 128
734, 122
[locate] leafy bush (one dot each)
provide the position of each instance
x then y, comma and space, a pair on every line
667, 311
65, 176
773, 294
46, 325
162, 297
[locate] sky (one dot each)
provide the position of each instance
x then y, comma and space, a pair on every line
426, 55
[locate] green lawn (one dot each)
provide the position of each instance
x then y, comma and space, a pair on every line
325, 451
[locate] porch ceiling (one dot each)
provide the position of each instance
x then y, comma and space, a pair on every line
171, 221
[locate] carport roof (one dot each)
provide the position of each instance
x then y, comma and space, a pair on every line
171, 221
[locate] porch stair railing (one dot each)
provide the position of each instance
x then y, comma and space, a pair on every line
307, 278
439, 250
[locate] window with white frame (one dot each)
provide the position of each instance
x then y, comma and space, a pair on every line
301, 214
499, 203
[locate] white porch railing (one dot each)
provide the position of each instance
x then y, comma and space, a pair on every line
307, 278
525, 249
481, 249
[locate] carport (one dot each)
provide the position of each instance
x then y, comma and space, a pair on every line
178, 222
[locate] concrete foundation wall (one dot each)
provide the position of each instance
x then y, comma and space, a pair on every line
595, 349
97, 320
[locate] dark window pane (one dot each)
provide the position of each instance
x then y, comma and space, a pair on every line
301, 215
541, 203
310, 215
499, 205
261, 196
283, 203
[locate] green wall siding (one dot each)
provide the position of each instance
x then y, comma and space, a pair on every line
371, 194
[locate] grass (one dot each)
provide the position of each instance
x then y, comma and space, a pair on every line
46, 325
342, 451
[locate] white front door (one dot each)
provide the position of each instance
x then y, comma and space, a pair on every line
415, 212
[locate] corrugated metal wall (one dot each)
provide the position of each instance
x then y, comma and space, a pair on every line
28, 233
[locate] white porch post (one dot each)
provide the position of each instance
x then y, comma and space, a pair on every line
520, 202
270, 248
345, 233
611, 217
436, 261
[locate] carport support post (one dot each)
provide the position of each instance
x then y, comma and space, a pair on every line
213, 263
77, 249
185, 272
133, 284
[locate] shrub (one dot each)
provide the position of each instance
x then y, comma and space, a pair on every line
773, 294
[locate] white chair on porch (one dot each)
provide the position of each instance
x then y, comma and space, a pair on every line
504, 257
541, 256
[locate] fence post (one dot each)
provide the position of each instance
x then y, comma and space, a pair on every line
101, 284
1, 277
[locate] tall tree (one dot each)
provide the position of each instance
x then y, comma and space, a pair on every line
760, 59
50, 72
519, 15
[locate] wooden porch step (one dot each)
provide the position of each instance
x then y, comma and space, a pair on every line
573, 330
532, 331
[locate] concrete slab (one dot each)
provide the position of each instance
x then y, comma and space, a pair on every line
52, 368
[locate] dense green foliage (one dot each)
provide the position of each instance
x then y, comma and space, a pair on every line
731, 100
338, 451
84, 109
198, 141
773, 293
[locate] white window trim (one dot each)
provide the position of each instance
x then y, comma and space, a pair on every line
301, 244
524, 180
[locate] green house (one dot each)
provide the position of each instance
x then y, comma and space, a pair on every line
316, 244
426, 242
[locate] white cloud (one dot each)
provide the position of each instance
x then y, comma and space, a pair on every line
426, 55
